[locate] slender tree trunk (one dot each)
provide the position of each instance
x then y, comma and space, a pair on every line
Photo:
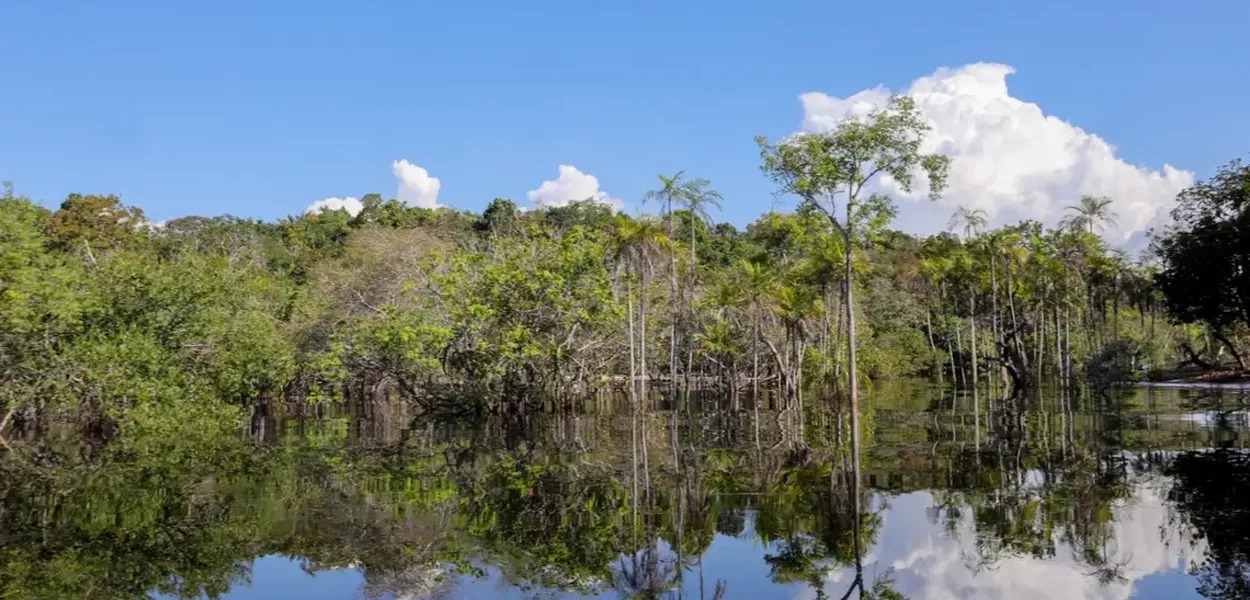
1115, 308
850, 342
633, 447
690, 313
950, 351
972, 319
755, 352
998, 332
928, 327
646, 459
798, 379
633, 395
674, 303
1041, 339
826, 349
1067, 334
642, 342
959, 343
694, 258
837, 341
1058, 347
633, 373
1011, 303
642, 363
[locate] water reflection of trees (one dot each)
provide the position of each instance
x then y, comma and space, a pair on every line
1210, 491
551, 502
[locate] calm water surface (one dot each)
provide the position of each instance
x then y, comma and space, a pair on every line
1145, 495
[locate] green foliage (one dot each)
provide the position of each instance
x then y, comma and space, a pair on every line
500, 217
1205, 276
130, 323
102, 312
92, 222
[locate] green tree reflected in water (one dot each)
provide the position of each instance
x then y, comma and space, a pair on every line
546, 505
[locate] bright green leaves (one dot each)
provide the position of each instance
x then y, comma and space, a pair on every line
398, 342
820, 167
518, 307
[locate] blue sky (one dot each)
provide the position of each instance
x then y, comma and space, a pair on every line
261, 108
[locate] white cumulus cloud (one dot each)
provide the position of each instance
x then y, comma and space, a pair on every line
349, 204
415, 186
571, 185
1009, 157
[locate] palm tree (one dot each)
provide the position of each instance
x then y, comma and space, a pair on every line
793, 305
696, 197
758, 282
972, 220
672, 189
1092, 212
638, 242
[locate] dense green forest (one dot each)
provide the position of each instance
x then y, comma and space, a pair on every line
106, 315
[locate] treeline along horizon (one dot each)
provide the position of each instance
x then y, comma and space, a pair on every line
104, 314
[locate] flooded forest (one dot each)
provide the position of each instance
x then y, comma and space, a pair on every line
580, 401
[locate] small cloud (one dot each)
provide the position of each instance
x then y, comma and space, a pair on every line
571, 185
349, 204
415, 186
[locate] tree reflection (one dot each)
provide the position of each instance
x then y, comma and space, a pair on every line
627, 504
1210, 492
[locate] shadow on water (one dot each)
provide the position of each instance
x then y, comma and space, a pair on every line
1053, 494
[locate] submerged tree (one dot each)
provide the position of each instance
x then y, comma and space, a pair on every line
819, 168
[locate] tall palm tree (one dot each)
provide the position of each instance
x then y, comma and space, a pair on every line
758, 280
638, 243
669, 191
1090, 214
672, 189
972, 220
696, 196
